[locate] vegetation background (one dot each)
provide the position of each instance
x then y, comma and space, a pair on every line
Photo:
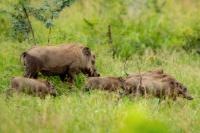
124, 34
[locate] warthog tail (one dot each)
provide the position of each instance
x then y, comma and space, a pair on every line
22, 56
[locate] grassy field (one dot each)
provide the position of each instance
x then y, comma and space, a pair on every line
152, 39
78, 111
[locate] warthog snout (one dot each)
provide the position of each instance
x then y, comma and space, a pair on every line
189, 97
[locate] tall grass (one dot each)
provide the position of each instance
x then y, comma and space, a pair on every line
149, 38
77, 111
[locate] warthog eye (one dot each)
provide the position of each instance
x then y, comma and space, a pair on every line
184, 89
93, 62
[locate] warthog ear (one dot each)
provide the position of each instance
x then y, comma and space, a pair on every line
121, 79
86, 51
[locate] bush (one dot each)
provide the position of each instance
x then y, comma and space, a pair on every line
192, 40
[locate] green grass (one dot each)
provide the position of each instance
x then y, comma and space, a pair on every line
153, 39
78, 111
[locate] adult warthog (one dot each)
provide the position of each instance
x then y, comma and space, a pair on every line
64, 60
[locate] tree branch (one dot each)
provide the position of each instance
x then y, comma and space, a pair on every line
29, 22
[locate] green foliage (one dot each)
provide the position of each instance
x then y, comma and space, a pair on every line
98, 111
20, 25
22, 10
136, 25
143, 31
4, 26
192, 40
80, 81
137, 121
49, 10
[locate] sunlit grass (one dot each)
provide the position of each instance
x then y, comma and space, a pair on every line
77, 111
135, 28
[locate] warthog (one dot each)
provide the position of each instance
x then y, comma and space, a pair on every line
156, 83
105, 83
34, 87
60, 60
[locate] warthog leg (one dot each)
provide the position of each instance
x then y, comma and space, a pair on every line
62, 77
30, 73
72, 73
32, 66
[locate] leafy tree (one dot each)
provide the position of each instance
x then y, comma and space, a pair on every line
21, 10
19, 18
49, 11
